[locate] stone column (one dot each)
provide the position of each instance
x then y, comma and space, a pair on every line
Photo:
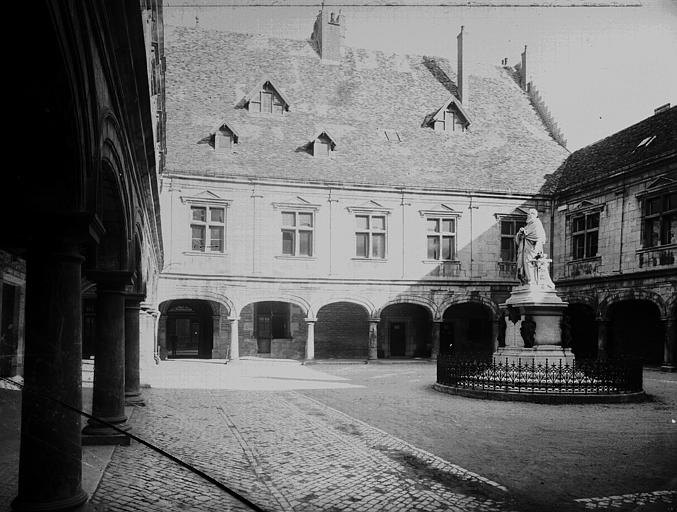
310, 340
602, 327
132, 334
109, 360
373, 339
670, 343
437, 325
234, 339
147, 336
50, 464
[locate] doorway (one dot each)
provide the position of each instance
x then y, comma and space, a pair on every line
397, 333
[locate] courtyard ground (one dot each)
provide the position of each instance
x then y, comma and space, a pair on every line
377, 437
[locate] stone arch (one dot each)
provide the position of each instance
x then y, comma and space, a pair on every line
631, 294
293, 299
463, 299
365, 303
407, 299
201, 295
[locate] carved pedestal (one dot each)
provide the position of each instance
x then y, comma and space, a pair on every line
533, 333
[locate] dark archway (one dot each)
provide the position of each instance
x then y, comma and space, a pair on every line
274, 329
342, 331
582, 330
405, 330
188, 329
636, 331
467, 331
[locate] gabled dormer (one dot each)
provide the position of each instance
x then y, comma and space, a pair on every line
323, 144
266, 98
225, 137
451, 117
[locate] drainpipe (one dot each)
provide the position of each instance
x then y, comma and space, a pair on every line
403, 204
620, 245
254, 196
471, 208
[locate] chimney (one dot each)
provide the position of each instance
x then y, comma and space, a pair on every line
661, 109
523, 69
461, 76
327, 35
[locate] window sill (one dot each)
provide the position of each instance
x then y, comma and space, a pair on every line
372, 260
296, 258
657, 248
200, 253
441, 262
585, 260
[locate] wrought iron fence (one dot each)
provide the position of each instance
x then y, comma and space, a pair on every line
580, 377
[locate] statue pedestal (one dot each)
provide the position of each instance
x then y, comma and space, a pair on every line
533, 332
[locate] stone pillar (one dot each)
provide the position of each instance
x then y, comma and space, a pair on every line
373, 339
495, 330
132, 334
435, 352
670, 345
310, 340
147, 336
50, 464
219, 345
234, 339
602, 327
109, 360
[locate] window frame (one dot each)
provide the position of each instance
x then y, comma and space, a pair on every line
517, 223
371, 233
296, 229
440, 235
585, 234
208, 224
208, 200
663, 215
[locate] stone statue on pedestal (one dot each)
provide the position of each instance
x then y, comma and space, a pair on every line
532, 264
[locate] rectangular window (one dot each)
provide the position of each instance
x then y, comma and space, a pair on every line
509, 228
370, 236
208, 228
584, 235
441, 238
660, 220
297, 233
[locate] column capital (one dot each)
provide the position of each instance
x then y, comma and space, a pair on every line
134, 299
374, 320
233, 318
310, 320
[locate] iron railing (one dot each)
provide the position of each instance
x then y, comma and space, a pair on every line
579, 378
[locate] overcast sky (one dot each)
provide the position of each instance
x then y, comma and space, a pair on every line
600, 69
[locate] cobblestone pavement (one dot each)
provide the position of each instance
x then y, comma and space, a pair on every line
283, 451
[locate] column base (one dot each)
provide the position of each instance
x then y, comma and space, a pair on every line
134, 400
96, 433
668, 368
21, 505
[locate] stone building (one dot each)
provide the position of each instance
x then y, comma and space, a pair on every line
80, 216
615, 244
324, 201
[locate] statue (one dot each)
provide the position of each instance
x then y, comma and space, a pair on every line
532, 265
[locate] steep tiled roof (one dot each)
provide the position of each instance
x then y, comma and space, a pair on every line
210, 72
620, 152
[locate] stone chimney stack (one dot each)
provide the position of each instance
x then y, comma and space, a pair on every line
462, 72
327, 35
523, 70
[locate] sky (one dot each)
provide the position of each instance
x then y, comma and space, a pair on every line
600, 66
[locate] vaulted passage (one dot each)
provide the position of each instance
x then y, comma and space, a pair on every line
342, 331
466, 331
405, 330
273, 329
636, 331
186, 329
583, 331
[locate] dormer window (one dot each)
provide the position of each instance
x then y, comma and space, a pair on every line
266, 99
451, 117
323, 145
224, 138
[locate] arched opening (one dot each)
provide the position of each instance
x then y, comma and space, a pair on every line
273, 329
582, 330
466, 331
342, 331
636, 331
186, 329
405, 330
